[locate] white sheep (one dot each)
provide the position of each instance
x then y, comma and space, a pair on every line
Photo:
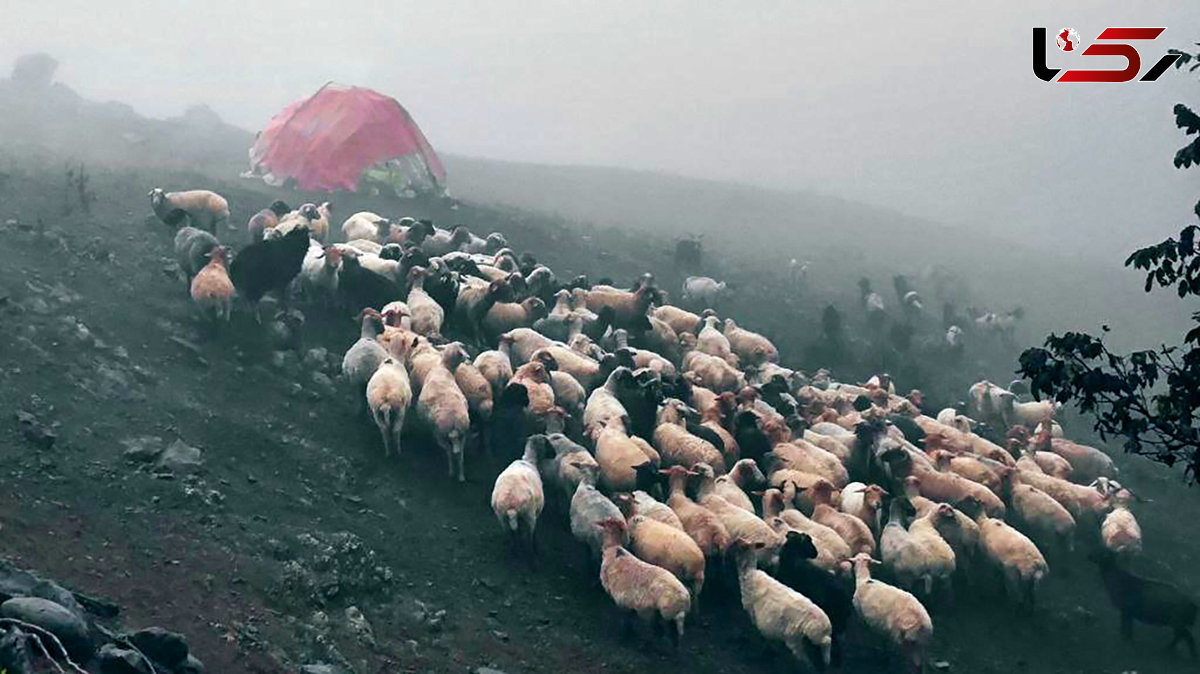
702, 290
636, 587
366, 225
388, 397
798, 273
202, 208
588, 508
603, 407
892, 613
366, 355
915, 559
1120, 531
517, 497
779, 612
1018, 559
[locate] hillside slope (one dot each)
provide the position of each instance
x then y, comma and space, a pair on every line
294, 525
844, 239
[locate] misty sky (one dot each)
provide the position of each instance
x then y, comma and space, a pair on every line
930, 108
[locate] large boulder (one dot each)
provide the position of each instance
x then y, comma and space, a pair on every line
15, 582
160, 645
55, 619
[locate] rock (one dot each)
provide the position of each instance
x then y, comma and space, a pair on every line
283, 360
16, 582
179, 458
34, 431
160, 645
54, 618
318, 669
116, 660
144, 449
316, 359
38, 306
190, 666
941, 666
360, 626
487, 670
323, 383
18, 652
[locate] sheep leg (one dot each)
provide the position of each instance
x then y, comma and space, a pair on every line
383, 434
628, 628
812, 653
1182, 634
674, 632
396, 438
835, 652
457, 450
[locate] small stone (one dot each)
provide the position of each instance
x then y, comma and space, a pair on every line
179, 458
358, 623
142, 450
54, 618
941, 666
502, 636
38, 306
282, 360
188, 346
34, 431
160, 645
487, 670
319, 669
323, 382
316, 358
116, 660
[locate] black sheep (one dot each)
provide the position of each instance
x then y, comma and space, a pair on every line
269, 266
775, 393
443, 288
359, 287
912, 432
641, 401
677, 386
1149, 601
527, 263
413, 257
826, 590
392, 251
509, 427
750, 438
595, 328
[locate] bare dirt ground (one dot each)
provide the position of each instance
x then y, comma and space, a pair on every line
294, 516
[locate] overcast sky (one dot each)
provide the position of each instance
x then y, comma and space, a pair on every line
927, 107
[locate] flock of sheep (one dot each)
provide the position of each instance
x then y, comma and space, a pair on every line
681, 453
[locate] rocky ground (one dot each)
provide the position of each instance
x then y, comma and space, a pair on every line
222, 486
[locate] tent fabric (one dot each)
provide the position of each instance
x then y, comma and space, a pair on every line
327, 142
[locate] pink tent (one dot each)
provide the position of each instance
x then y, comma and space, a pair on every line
327, 142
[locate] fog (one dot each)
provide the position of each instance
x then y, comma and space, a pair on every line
932, 111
